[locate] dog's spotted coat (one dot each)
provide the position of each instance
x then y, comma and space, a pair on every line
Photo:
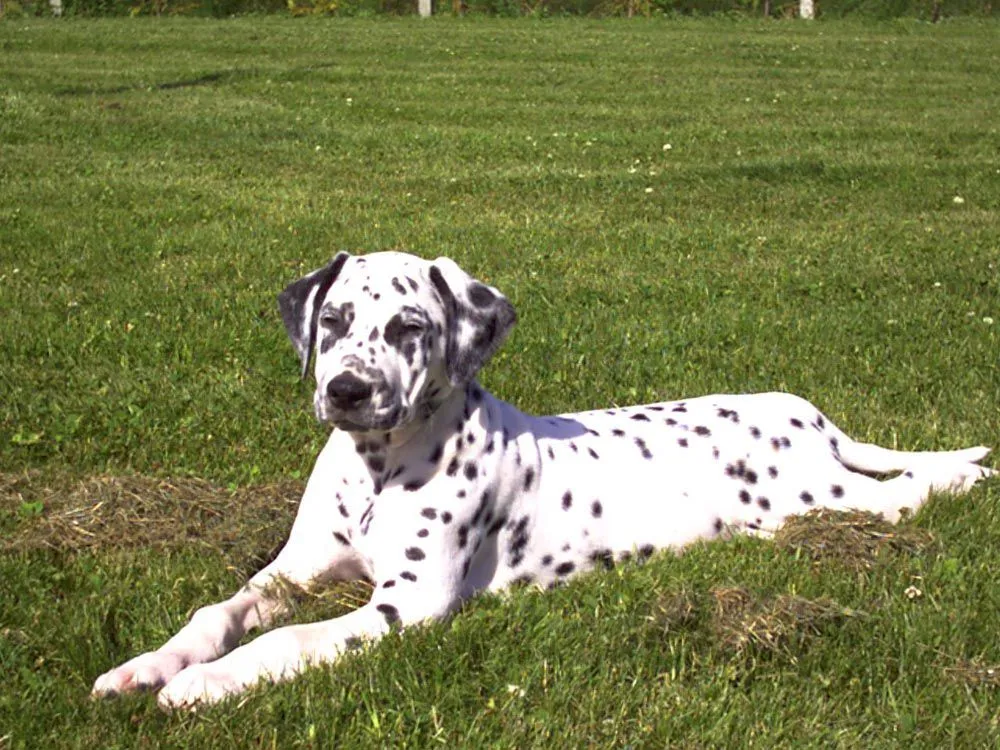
435, 490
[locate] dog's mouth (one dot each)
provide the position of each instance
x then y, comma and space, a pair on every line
366, 419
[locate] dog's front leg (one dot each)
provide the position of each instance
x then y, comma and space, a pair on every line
415, 593
312, 553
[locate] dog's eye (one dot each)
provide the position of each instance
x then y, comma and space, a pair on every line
328, 320
413, 326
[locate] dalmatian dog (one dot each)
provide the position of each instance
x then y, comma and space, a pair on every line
435, 490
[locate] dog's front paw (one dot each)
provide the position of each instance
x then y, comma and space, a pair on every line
201, 684
148, 671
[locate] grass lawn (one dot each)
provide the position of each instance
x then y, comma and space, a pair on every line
675, 208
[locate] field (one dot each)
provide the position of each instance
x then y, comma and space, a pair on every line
675, 208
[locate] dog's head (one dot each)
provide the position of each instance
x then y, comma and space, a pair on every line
393, 335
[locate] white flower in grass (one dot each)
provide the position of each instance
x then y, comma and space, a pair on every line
516, 690
667, 147
912, 592
988, 320
649, 190
958, 200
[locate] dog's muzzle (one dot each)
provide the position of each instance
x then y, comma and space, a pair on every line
356, 404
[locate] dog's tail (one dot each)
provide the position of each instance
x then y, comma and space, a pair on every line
874, 459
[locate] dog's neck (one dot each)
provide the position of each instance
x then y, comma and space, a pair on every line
410, 455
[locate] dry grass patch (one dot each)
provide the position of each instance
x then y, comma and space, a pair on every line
973, 673
855, 539
742, 622
128, 512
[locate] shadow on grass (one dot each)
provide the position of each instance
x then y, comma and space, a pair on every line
207, 79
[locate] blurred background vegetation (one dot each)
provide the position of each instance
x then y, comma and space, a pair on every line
928, 10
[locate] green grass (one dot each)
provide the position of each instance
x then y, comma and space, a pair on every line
161, 180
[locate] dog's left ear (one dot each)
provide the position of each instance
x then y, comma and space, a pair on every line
479, 319
300, 302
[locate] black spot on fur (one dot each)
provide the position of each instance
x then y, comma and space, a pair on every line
429, 513
729, 414
603, 557
772, 471
529, 477
436, 453
481, 509
763, 503
618, 433
645, 552
796, 423
414, 485
755, 433
423, 533
640, 417
567, 500
745, 497
682, 442
837, 491
718, 526
389, 612
341, 538
596, 509
452, 468
397, 286
807, 498
641, 445
415, 554
389, 584
496, 526
446, 517
407, 576
547, 560
680, 409
593, 453
463, 536
565, 568
702, 430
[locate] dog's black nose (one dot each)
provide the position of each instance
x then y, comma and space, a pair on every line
347, 390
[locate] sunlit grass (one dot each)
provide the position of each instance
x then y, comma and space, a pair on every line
161, 180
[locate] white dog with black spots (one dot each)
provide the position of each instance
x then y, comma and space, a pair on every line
434, 490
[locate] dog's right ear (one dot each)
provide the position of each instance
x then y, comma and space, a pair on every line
299, 304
